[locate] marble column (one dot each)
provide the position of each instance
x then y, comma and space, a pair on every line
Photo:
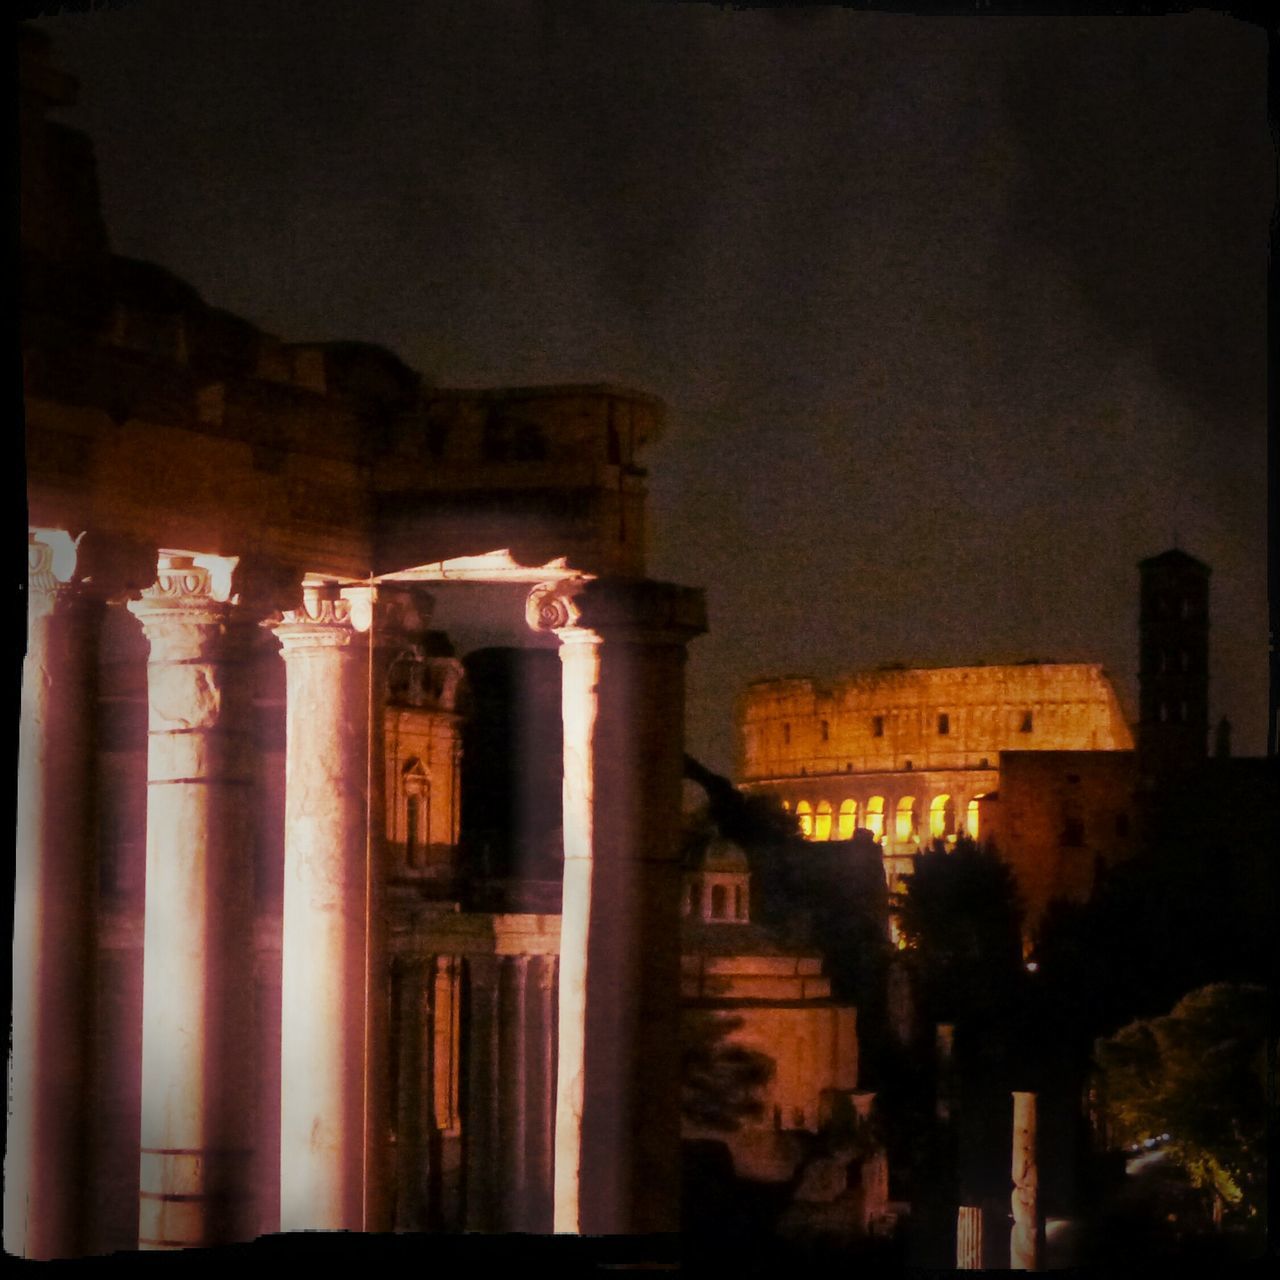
332, 1124
969, 1238
1024, 1239
47, 1145
617, 1151
197, 1006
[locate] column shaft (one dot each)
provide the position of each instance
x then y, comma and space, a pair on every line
197, 1007
52, 922
618, 1091
1024, 1243
332, 981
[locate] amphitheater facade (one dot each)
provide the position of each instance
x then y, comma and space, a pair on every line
907, 753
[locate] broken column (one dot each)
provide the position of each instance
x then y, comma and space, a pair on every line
617, 1141
53, 915
969, 1238
197, 1059
1024, 1239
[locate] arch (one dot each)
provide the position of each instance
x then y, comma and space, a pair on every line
416, 784
822, 821
875, 817
941, 817
904, 819
786, 806
848, 821
971, 818
804, 815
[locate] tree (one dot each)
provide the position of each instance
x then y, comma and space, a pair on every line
1199, 1075
960, 918
723, 1080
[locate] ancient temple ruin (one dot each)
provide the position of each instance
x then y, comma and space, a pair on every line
245, 999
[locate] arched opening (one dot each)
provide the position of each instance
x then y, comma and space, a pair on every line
941, 818
848, 822
875, 816
804, 815
971, 818
904, 826
822, 821
719, 901
417, 814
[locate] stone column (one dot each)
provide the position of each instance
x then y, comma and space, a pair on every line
197, 985
622, 645
1024, 1239
333, 1128
969, 1238
53, 913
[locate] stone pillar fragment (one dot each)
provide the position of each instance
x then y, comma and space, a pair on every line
617, 1151
197, 1004
969, 1238
332, 1130
52, 913
1024, 1239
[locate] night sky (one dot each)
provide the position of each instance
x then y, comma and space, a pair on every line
956, 318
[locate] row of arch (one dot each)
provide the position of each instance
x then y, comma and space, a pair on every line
824, 822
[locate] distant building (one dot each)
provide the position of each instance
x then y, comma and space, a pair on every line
908, 753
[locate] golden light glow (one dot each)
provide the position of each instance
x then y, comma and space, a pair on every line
822, 822
875, 816
848, 822
805, 814
905, 819
971, 818
939, 826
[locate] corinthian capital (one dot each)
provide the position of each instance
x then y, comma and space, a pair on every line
329, 617
190, 602
51, 563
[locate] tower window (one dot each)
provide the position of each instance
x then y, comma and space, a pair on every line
786, 735
413, 830
826, 730
719, 901
1025, 727
877, 726
944, 723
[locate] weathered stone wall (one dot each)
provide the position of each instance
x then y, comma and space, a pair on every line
948, 718
1057, 814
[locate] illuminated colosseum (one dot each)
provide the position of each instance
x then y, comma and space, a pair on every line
907, 753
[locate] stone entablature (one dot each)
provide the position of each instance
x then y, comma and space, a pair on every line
945, 718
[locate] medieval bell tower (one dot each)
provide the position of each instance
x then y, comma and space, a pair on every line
1173, 665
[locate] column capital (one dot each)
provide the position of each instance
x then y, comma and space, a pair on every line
328, 617
190, 601
51, 570
636, 610
331, 615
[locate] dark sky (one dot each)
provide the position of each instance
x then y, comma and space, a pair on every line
956, 318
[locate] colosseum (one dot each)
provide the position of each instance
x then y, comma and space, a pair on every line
907, 753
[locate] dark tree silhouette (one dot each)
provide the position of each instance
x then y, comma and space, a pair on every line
722, 1080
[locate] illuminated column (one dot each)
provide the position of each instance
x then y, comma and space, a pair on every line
1024, 1239
617, 1150
969, 1238
52, 913
332, 1151
197, 984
